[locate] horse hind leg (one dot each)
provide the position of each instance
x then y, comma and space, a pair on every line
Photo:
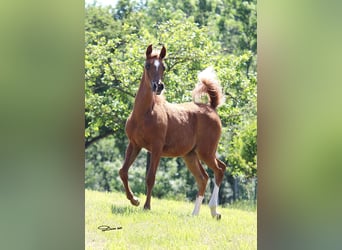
219, 168
132, 152
201, 177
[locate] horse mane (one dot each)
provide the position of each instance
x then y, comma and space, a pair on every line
209, 85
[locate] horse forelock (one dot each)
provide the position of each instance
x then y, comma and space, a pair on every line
154, 54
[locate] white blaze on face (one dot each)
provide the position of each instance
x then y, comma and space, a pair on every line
156, 63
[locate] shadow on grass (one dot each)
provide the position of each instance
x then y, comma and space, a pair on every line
130, 210
124, 210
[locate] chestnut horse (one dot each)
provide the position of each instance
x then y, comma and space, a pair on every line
189, 130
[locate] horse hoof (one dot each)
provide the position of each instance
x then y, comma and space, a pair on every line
217, 216
147, 207
135, 202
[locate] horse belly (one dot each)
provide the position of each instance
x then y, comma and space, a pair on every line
175, 151
181, 131
178, 144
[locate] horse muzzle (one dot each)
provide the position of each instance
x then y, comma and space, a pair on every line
157, 87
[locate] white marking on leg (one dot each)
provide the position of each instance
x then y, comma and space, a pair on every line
156, 63
214, 197
213, 203
198, 203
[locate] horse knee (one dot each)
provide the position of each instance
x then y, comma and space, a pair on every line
123, 174
150, 179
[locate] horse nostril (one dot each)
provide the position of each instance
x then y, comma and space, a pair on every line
154, 86
157, 86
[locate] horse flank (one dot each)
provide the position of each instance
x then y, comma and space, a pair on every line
209, 85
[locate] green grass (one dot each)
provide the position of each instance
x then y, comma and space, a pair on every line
169, 225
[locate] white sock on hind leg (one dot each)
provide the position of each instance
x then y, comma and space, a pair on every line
214, 197
198, 203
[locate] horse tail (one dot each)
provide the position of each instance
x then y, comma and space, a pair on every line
209, 85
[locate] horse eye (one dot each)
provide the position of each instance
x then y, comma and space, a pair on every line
147, 66
163, 67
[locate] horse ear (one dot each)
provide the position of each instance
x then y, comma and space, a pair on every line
162, 53
149, 50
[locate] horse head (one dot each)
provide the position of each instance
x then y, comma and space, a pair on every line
154, 69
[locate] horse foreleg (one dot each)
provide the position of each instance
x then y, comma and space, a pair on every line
151, 176
132, 152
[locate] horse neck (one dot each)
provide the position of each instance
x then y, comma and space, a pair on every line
144, 99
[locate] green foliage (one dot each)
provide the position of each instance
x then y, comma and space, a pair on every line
196, 34
102, 164
242, 149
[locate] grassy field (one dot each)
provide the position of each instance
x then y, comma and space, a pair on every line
169, 225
